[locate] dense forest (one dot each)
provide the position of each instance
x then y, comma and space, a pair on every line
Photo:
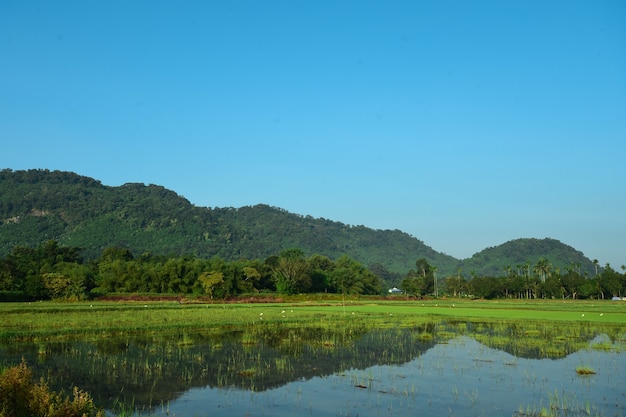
76, 211
51, 271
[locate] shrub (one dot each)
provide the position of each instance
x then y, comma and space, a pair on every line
21, 397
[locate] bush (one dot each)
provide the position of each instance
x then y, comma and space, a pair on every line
13, 296
21, 397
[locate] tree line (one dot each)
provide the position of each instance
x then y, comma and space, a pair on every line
524, 281
51, 271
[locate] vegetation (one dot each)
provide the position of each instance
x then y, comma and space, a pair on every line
518, 254
70, 238
20, 397
143, 353
40, 205
51, 271
64, 236
77, 211
48, 321
585, 370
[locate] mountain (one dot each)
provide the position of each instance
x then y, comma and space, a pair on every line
41, 205
516, 253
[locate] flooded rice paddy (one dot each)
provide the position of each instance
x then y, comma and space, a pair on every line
436, 368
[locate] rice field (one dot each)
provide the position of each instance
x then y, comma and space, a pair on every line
170, 358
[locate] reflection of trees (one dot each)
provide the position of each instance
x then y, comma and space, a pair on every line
539, 340
148, 369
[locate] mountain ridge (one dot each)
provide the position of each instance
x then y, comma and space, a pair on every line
38, 205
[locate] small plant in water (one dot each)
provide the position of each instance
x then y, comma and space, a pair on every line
585, 370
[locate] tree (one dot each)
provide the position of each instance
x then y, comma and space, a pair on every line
572, 282
543, 268
524, 270
250, 276
210, 280
552, 287
320, 268
610, 281
425, 270
454, 285
486, 287
8, 275
291, 272
49, 270
413, 284
350, 277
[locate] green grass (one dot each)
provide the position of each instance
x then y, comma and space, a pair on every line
50, 320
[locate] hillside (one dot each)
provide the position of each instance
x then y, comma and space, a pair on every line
514, 254
40, 205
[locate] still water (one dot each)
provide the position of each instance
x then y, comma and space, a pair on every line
435, 368
459, 378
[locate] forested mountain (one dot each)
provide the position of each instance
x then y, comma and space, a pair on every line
41, 205
517, 255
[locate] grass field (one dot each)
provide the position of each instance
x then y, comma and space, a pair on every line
50, 320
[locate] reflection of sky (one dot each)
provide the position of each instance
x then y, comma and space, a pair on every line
461, 378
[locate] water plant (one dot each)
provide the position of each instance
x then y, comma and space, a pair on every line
560, 405
585, 370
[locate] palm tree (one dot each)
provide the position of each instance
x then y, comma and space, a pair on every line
526, 270
543, 268
508, 270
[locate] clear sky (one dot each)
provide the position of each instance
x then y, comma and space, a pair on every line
463, 123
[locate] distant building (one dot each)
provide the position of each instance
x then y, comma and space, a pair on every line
394, 290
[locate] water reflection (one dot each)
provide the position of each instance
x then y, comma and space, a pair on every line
460, 378
451, 367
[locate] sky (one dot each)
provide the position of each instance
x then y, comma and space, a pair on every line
465, 124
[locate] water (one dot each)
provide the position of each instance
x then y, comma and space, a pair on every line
435, 368
459, 378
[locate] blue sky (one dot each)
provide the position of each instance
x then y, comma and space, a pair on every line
464, 124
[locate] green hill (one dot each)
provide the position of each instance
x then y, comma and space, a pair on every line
495, 261
41, 205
